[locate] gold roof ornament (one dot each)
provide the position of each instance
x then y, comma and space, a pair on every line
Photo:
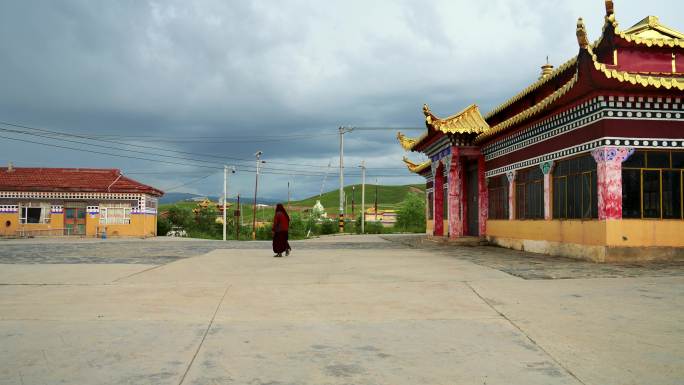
547, 69
610, 7
582, 38
416, 168
468, 121
406, 142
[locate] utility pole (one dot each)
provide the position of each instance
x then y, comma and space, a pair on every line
343, 130
225, 196
353, 193
238, 218
256, 187
363, 196
376, 199
288, 195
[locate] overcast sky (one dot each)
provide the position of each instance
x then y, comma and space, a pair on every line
228, 78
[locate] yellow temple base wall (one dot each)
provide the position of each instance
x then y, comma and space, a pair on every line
429, 226
598, 241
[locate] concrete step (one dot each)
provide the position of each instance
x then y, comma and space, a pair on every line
460, 241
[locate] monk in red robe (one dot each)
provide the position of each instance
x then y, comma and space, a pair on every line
281, 225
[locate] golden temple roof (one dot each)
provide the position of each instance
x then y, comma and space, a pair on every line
640, 33
468, 121
416, 168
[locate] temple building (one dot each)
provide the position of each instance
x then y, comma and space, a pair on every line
75, 202
585, 162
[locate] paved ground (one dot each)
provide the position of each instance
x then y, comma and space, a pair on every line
340, 310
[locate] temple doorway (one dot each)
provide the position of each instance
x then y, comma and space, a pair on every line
472, 200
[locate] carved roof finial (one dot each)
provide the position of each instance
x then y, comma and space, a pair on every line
610, 7
582, 39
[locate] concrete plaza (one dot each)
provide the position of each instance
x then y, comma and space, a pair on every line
339, 310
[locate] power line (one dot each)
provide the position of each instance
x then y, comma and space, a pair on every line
170, 189
296, 173
221, 157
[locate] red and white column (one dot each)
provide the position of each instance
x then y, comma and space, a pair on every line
609, 179
511, 194
438, 198
483, 195
455, 193
546, 168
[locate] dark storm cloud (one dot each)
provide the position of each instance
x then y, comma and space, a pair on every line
255, 69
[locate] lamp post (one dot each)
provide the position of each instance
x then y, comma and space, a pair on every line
256, 187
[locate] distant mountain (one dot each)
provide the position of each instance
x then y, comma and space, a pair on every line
174, 197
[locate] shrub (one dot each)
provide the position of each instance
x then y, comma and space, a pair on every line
411, 215
163, 226
328, 226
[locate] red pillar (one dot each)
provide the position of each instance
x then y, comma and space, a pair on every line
609, 180
456, 194
483, 195
439, 200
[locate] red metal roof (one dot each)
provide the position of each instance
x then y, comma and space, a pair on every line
71, 180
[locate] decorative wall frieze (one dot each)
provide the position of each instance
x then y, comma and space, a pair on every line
601, 107
9, 209
646, 143
56, 209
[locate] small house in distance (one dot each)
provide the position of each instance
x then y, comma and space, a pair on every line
75, 202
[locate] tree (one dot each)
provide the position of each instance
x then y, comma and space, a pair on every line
411, 215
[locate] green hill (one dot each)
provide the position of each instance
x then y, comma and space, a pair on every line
389, 197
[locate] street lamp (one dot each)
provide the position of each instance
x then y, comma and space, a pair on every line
256, 186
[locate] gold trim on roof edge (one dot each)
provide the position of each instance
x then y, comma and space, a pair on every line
468, 121
529, 112
416, 168
532, 87
644, 80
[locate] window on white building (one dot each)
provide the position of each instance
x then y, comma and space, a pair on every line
34, 212
115, 214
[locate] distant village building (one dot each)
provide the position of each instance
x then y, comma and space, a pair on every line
585, 162
386, 217
75, 202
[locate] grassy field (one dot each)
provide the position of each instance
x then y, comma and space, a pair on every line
389, 197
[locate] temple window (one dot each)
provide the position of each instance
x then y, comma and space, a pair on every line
652, 185
498, 197
574, 189
529, 194
115, 214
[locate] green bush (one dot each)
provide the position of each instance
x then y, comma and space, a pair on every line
328, 226
369, 227
264, 233
163, 226
181, 216
411, 215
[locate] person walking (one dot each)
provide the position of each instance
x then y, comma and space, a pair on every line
281, 225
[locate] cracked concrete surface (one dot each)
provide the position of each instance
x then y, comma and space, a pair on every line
340, 310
